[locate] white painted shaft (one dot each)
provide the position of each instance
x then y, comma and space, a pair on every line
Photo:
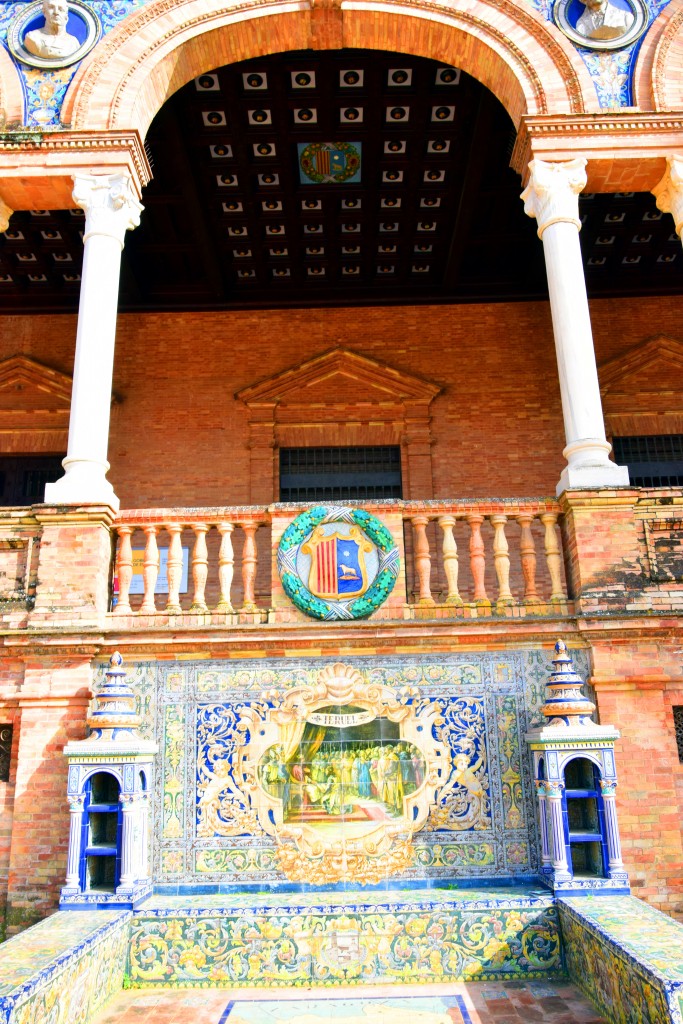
581, 403
74, 855
128, 857
111, 209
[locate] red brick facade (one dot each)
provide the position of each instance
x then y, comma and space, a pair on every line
180, 437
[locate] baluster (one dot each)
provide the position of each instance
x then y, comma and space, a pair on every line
501, 561
226, 565
553, 557
124, 570
423, 560
249, 566
150, 570
478, 560
450, 559
200, 567
528, 553
174, 568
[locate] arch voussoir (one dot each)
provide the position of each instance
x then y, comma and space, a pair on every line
522, 59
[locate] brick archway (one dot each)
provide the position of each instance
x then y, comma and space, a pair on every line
522, 59
658, 81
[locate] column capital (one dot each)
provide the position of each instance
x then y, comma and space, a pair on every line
669, 191
5, 214
109, 203
552, 195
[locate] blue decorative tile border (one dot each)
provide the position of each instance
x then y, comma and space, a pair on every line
277, 942
626, 956
64, 968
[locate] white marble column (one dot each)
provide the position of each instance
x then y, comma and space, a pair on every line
111, 209
73, 862
669, 192
558, 849
546, 859
552, 197
129, 855
615, 862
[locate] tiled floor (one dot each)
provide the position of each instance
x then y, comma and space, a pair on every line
475, 1003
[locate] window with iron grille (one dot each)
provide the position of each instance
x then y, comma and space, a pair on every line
23, 477
5, 751
340, 474
678, 725
655, 461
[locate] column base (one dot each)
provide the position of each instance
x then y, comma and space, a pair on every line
588, 466
590, 477
83, 483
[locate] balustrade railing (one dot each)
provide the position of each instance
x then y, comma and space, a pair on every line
199, 546
471, 557
495, 578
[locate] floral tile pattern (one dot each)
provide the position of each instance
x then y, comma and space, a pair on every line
626, 956
64, 968
268, 943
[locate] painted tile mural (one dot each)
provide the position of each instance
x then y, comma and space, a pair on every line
44, 90
209, 833
64, 968
626, 956
293, 941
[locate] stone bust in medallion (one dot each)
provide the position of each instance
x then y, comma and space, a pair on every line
52, 40
603, 20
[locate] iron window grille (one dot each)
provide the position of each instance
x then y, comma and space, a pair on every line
5, 751
678, 725
340, 474
653, 461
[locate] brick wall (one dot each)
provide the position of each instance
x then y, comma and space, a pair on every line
179, 437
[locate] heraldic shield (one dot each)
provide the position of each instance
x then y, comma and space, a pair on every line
338, 568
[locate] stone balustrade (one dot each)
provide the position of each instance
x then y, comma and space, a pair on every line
208, 536
470, 558
485, 557
589, 552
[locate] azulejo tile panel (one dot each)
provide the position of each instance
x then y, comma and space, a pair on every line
44, 90
63, 969
205, 829
625, 956
424, 940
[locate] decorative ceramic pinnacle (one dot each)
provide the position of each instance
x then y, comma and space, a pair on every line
114, 715
566, 705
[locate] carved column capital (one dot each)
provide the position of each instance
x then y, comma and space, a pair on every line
552, 195
669, 191
110, 205
5, 214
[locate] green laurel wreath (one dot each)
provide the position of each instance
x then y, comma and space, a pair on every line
382, 585
308, 166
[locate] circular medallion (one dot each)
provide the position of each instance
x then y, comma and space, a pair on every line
53, 33
601, 24
337, 563
329, 162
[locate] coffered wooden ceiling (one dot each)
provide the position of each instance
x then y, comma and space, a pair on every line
431, 214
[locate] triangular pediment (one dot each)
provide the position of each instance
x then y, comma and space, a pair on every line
656, 356
25, 383
303, 381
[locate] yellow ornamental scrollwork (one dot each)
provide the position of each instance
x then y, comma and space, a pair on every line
341, 774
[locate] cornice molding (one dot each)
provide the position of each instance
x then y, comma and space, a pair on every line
660, 349
21, 372
400, 386
628, 136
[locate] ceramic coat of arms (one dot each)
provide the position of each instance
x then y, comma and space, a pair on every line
337, 563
